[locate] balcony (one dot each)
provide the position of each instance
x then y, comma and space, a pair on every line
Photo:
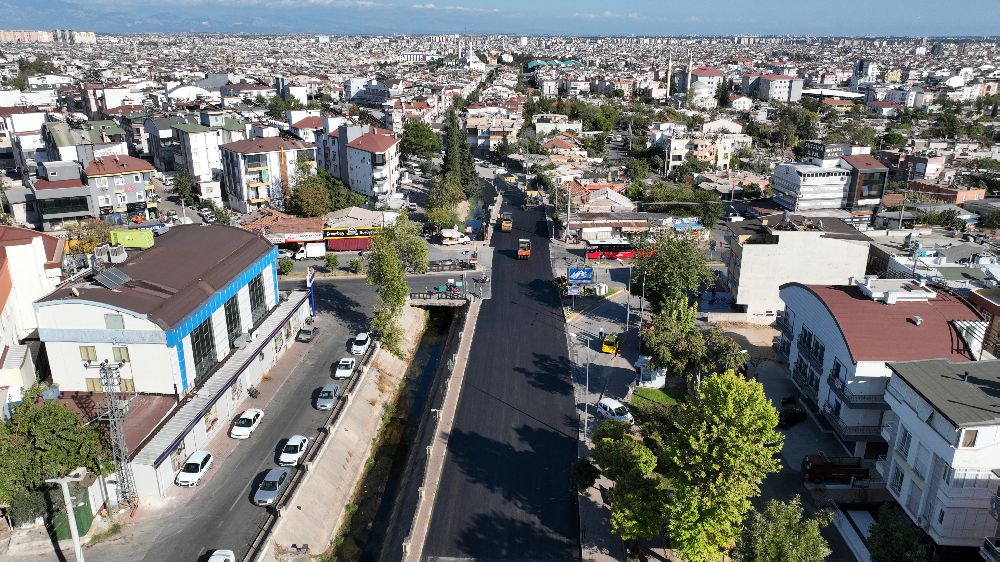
782, 324
807, 354
882, 466
852, 432
857, 401
991, 549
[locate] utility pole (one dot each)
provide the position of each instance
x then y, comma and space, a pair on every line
75, 476
569, 197
118, 405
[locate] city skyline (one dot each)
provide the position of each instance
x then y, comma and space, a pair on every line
584, 17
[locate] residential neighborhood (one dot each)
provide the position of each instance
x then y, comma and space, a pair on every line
359, 281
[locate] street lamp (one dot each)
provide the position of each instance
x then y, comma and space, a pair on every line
586, 396
75, 476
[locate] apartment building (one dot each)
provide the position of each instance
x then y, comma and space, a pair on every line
779, 87
716, 149
831, 176
197, 150
122, 189
943, 430
61, 196
365, 158
837, 340
765, 253
260, 172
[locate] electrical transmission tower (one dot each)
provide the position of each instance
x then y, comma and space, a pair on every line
117, 410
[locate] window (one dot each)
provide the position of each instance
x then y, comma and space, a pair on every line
903, 445
121, 199
896, 482
103, 200
969, 437
119, 180
64, 205
233, 325
203, 349
125, 385
53, 174
114, 322
140, 196
102, 183
257, 305
88, 353
136, 178
940, 516
120, 354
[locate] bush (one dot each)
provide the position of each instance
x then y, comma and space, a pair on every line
286, 265
355, 265
332, 261
584, 474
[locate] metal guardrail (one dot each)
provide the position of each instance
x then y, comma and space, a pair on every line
315, 448
438, 295
458, 266
842, 389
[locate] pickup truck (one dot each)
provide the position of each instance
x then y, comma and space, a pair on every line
817, 467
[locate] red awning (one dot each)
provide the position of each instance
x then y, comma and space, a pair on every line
348, 244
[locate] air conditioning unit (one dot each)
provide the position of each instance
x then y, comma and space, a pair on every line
241, 341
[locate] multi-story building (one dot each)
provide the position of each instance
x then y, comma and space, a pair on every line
61, 196
122, 189
260, 172
709, 76
943, 429
197, 151
765, 253
188, 330
907, 166
365, 158
869, 178
837, 340
779, 87
801, 186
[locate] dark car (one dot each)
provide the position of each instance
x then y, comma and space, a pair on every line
789, 416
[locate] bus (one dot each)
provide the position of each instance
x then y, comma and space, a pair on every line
611, 249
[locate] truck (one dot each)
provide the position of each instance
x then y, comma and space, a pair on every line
451, 236
523, 249
133, 239
506, 222
817, 467
311, 250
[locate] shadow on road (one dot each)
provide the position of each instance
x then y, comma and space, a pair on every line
331, 299
547, 374
497, 537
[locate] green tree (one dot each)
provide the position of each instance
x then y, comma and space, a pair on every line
286, 265
84, 235
781, 532
583, 473
722, 446
672, 338
637, 508
341, 197
893, 139
355, 266
310, 199
990, 220
419, 140
185, 186
622, 455
331, 261
892, 538
669, 267
441, 217
722, 353
394, 250
636, 170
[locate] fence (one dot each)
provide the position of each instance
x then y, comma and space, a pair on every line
318, 445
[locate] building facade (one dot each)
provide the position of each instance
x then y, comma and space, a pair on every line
260, 172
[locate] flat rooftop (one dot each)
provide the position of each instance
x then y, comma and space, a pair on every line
967, 393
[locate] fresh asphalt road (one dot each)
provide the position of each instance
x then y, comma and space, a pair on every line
506, 492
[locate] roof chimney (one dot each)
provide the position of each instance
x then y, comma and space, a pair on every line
918, 320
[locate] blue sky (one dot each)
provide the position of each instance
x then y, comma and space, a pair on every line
581, 17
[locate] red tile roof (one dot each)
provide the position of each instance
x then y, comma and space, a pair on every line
58, 184
882, 332
777, 77
16, 235
311, 122
8, 111
373, 142
864, 162
884, 104
266, 144
834, 101
116, 165
706, 71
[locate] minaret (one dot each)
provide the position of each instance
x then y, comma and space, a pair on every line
670, 67
687, 86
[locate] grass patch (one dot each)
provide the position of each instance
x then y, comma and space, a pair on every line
106, 534
661, 396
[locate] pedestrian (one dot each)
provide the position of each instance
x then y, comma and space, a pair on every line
600, 333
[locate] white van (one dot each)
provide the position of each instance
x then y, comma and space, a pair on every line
611, 409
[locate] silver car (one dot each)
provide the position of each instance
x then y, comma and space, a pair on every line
327, 397
271, 486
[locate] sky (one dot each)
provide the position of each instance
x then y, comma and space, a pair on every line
532, 17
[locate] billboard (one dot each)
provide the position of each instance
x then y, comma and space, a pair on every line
578, 275
351, 232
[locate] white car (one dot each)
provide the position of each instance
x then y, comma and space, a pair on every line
283, 253
194, 468
611, 409
344, 368
361, 343
245, 424
222, 556
293, 451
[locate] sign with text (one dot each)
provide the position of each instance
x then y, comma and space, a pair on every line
351, 232
578, 275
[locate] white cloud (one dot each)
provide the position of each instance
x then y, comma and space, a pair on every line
262, 3
454, 8
694, 19
608, 14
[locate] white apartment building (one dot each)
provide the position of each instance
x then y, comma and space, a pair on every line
260, 172
763, 254
943, 432
779, 87
800, 186
365, 158
837, 340
198, 154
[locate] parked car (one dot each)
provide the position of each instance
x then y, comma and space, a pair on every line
411, 206
194, 468
344, 368
327, 396
611, 409
789, 416
307, 333
361, 343
271, 486
293, 451
283, 253
245, 424
222, 556
171, 215
208, 217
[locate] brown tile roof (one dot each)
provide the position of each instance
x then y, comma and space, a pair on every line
116, 165
706, 71
169, 280
276, 222
373, 142
8, 111
311, 122
145, 414
864, 162
777, 77
881, 332
266, 144
58, 184
16, 235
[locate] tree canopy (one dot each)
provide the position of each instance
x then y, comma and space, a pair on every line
781, 532
669, 267
395, 249
419, 140
892, 537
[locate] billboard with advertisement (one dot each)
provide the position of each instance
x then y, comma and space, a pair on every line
579, 275
351, 232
